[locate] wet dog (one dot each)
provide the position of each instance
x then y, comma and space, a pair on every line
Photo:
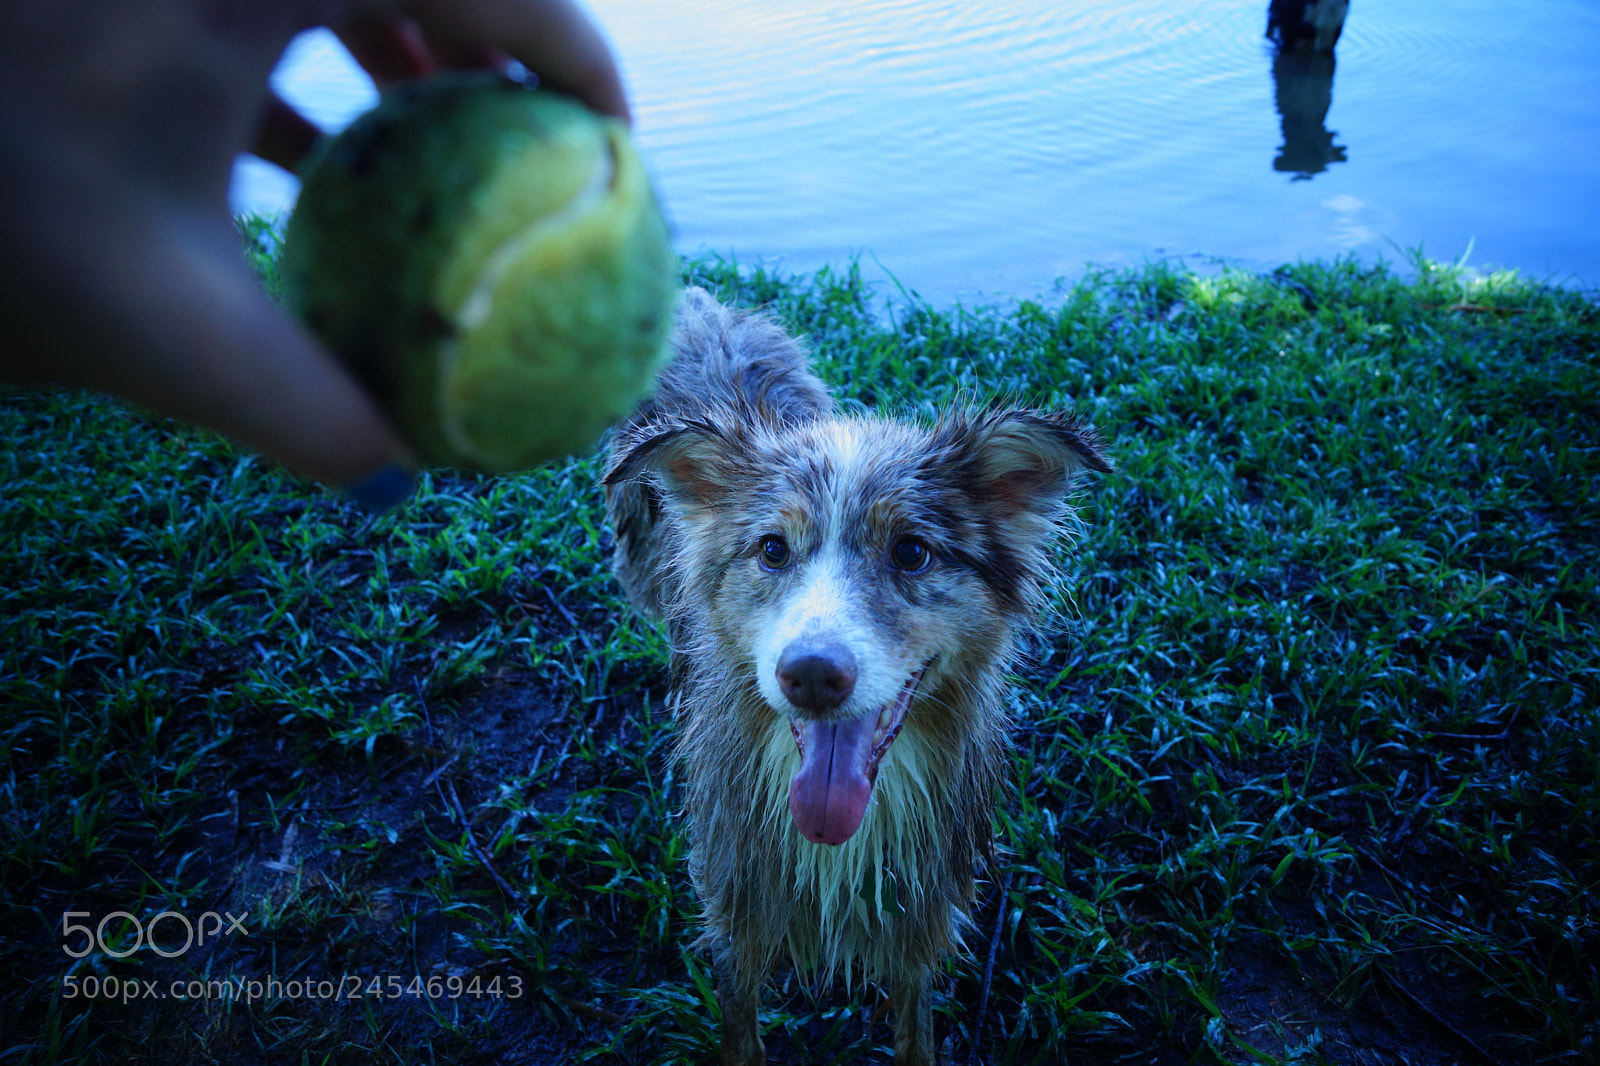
843, 596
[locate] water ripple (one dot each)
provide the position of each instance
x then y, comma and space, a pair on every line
996, 146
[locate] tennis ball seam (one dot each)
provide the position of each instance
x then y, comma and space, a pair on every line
610, 169
479, 302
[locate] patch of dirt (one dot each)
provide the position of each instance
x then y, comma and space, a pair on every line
250, 850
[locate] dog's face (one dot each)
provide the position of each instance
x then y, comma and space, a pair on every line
859, 569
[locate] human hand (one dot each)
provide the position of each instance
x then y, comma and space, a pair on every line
120, 269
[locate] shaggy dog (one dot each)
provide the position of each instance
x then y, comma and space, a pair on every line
843, 595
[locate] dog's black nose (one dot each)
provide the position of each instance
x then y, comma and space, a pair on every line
817, 675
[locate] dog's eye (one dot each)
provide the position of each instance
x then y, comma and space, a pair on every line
774, 552
910, 554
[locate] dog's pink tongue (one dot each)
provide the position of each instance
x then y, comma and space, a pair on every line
828, 797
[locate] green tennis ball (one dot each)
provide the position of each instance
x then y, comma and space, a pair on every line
491, 262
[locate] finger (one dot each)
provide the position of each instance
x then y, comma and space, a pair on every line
284, 135
229, 359
450, 54
390, 49
166, 314
552, 38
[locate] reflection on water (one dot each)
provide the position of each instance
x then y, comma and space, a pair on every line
1303, 88
988, 149
1304, 33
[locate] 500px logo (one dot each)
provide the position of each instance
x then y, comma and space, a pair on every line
193, 933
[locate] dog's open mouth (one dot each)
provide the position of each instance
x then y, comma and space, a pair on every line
838, 764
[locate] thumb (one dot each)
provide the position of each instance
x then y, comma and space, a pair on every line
168, 315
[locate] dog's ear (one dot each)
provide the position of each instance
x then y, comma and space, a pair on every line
1027, 462
694, 462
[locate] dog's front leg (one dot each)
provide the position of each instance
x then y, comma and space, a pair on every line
913, 1026
739, 995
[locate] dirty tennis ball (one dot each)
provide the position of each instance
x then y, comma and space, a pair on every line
491, 262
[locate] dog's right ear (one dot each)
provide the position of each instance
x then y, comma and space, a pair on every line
694, 463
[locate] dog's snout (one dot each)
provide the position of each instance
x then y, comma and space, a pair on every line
817, 675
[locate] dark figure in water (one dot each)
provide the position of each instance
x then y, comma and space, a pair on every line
1306, 25
1304, 92
1302, 74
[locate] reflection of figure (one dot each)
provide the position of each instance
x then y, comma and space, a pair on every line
1302, 72
1306, 24
1304, 83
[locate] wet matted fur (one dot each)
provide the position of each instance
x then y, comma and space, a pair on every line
843, 596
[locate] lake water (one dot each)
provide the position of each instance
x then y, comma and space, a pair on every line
979, 150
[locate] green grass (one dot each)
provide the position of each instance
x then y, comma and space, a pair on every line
1306, 767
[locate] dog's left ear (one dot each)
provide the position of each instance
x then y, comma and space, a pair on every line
1028, 461
694, 462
